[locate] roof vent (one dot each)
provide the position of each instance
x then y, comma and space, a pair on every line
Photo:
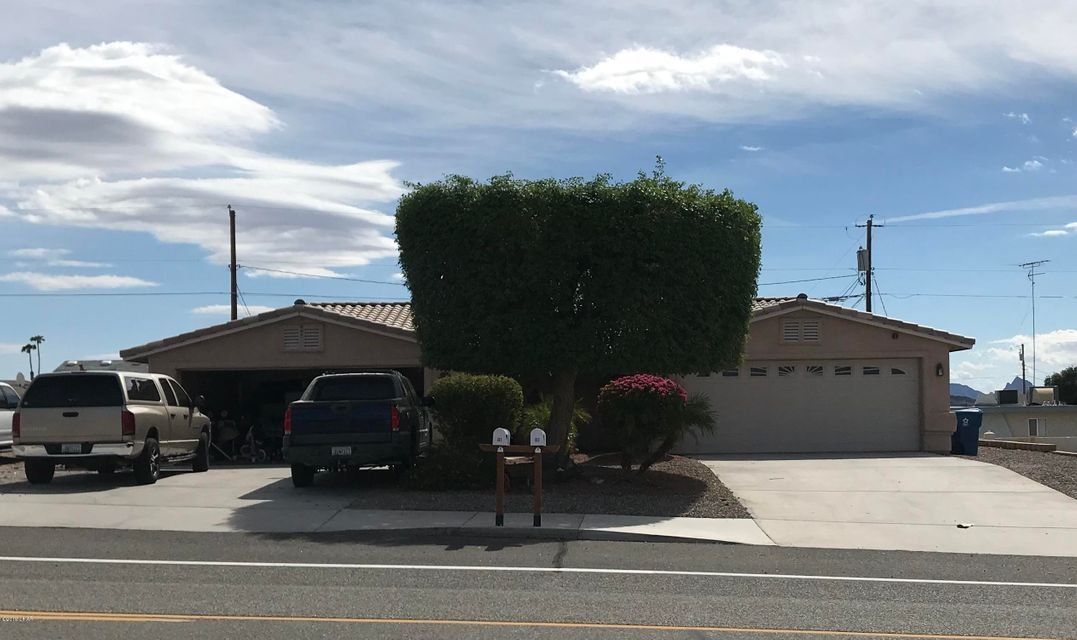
802, 296
299, 301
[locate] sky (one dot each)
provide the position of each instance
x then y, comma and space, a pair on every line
126, 128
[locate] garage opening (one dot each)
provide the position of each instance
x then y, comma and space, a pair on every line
248, 405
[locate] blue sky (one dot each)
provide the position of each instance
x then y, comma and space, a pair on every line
126, 129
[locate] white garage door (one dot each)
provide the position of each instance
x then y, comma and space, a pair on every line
807, 407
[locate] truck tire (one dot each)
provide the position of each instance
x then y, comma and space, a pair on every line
39, 471
148, 463
201, 455
302, 475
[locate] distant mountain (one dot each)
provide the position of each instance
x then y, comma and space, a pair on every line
1016, 384
963, 390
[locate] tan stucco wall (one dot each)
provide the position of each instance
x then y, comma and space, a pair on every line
843, 338
262, 348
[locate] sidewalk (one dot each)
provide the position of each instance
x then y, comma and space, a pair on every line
262, 500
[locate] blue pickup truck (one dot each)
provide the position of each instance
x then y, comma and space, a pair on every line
352, 420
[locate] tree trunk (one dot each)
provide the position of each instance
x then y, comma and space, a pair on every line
659, 453
564, 405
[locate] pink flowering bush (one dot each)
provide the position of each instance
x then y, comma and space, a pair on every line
649, 414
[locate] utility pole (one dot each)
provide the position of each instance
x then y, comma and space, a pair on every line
1024, 385
232, 266
865, 263
1031, 266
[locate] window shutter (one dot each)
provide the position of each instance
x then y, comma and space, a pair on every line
809, 331
312, 337
292, 340
791, 331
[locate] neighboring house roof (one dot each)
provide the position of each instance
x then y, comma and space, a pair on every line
394, 319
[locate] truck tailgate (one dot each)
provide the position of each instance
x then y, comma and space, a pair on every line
71, 424
359, 422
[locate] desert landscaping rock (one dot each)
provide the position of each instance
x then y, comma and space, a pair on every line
1052, 470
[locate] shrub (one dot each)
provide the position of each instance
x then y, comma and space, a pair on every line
649, 414
469, 407
447, 468
538, 416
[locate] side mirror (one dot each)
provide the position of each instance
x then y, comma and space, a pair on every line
428, 401
200, 403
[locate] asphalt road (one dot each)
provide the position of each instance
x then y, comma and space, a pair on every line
446, 588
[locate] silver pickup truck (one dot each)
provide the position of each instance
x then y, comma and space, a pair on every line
104, 420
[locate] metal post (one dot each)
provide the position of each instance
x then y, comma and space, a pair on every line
1024, 383
867, 279
232, 266
536, 486
499, 501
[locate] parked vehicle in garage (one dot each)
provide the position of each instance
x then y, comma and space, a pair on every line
104, 420
9, 402
354, 420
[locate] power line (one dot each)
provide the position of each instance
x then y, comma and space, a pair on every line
768, 284
313, 275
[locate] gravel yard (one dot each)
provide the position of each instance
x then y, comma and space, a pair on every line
1050, 469
10, 469
675, 487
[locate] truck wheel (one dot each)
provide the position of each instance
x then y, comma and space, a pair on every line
148, 464
201, 455
302, 475
39, 471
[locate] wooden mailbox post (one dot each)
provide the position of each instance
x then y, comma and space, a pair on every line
501, 445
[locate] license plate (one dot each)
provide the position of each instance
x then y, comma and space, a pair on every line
71, 448
341, 451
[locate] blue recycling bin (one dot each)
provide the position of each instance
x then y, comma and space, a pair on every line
966, 438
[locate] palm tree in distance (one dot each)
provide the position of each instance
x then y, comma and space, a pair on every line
36, 341
28, 349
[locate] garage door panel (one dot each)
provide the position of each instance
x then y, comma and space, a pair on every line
804, 407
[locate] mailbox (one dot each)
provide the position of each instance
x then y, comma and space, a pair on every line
538, 438
502, 438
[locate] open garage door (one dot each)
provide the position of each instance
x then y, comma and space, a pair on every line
771, 406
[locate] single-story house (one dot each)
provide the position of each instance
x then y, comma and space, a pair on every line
1054, 424
816, 377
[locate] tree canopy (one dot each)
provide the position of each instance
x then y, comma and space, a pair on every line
566, 276
1066, 381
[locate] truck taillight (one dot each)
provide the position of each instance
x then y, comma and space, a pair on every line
394, 418
16, 426
288, 422
127, 424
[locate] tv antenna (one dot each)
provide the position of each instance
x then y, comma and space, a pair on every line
1032, 273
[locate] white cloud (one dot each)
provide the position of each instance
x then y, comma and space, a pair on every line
1020, 117
398, 276
54, 282
1065, 230
648, 70
1052, 203
750, 148
78, 125
1029, 165
55, 258
8, 348
225, 309
1054, 349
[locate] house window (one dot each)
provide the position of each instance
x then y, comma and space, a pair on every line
814, 370
1033, 426
731, 373
758, 372
785, 371
870, 371
843, 371
894, 371
800, 331
303, 337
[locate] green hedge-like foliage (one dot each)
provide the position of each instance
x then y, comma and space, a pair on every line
469, 407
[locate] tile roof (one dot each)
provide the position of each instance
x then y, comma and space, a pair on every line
391, 314
395, 317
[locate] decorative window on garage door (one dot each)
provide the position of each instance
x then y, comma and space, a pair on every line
800, 330
303, 337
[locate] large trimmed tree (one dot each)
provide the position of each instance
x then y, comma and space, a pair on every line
563, 277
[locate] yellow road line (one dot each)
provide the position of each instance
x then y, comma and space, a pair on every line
103, 616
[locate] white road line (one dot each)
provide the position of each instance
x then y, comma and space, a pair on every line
500, 569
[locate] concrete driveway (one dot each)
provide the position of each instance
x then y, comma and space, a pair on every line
916, 502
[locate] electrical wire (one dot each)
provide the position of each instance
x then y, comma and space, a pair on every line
314, 275
768, 284
881, 294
